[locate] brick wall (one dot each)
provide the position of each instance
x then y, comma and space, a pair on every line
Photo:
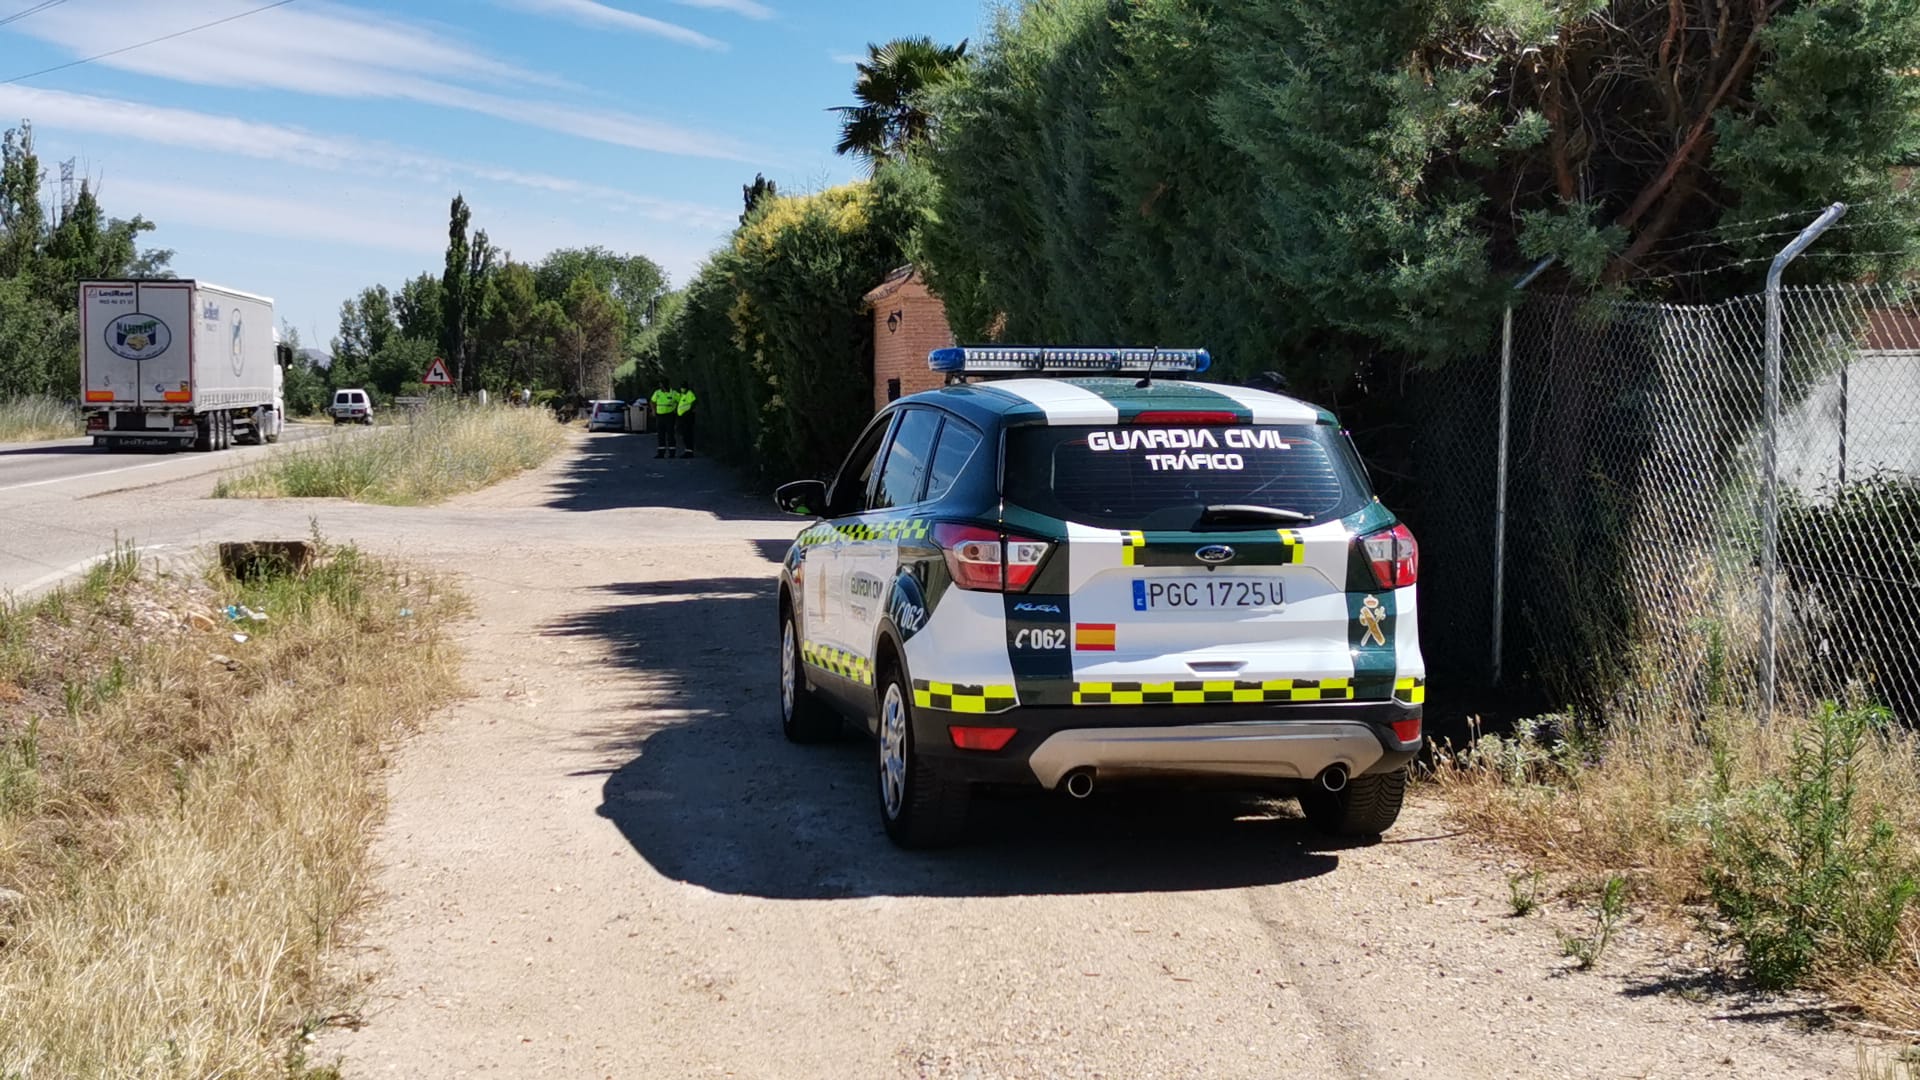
908, 323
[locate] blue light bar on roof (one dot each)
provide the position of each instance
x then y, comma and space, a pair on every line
1010, 359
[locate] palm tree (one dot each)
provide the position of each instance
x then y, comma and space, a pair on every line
893, 81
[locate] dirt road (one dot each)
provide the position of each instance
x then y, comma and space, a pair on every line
609, 864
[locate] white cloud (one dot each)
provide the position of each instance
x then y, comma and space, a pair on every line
848, 58
590, 13
335, 51
56, 111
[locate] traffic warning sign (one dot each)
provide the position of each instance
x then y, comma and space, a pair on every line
437, 374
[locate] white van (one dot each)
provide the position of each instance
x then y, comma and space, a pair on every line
351, 407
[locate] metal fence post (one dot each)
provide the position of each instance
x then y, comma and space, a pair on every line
1770, 459
1500, 481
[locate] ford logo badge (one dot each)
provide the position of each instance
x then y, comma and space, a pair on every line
1214, 554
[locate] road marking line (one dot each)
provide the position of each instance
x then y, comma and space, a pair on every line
79, 568
170, 460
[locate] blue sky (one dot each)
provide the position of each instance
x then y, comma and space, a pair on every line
310, 150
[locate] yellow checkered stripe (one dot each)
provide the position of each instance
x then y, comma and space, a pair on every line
961, 698
841, 663
1131, 542
902, 529
1296, 548
1411, 691
1206, 692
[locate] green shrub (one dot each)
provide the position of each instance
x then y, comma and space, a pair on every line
1809, 874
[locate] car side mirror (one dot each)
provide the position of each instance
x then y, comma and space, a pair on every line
803, 497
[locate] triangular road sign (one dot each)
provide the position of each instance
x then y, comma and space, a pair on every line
437, 374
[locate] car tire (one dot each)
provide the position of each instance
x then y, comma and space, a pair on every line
804, 718
1366, 807
920, 807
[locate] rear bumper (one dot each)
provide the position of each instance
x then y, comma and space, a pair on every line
1278, 744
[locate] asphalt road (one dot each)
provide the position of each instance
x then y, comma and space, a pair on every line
52, 522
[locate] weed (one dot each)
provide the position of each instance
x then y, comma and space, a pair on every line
445, 450
20, 769
193, 833
1587, 951
1803, 874
34, 417
1902, 1066
1523, 893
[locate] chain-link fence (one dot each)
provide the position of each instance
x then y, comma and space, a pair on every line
1642, 536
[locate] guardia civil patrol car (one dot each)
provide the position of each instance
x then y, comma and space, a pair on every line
1070, 567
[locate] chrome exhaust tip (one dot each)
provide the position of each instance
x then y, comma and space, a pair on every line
1080, 783
1333, 778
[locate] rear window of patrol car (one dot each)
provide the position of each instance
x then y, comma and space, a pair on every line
1145, 476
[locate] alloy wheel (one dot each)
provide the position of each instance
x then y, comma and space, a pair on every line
893, 750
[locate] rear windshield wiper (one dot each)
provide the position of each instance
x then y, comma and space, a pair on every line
1226, 512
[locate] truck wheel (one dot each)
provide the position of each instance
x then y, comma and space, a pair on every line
203, 434
804, 718
272, 430
1366, 807
223, 428
920, 807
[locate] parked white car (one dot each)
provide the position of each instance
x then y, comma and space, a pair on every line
607, 416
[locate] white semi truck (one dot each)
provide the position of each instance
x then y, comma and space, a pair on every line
171, 363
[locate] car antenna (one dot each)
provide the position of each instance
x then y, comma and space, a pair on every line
1147, 381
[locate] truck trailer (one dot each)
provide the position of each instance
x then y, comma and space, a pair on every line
171, 363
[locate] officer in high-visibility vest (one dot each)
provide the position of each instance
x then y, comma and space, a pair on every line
666, 416
685, 422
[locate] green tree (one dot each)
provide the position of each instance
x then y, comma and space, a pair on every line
891, 90
306, 387
22, 218
417, 308
755, 193
1340, 186
366, 327
454, 293
591, 337
634, 282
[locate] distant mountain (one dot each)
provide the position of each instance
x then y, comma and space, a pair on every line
319, 358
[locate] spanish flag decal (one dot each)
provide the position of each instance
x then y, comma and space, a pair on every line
1093, 637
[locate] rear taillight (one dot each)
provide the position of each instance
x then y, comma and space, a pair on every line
989, 560
1394, 555
982, 738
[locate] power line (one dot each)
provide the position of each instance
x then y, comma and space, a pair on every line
18, 15
144, 44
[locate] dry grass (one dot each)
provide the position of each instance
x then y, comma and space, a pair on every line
35, 417
1648, 800
444, 451
187, 816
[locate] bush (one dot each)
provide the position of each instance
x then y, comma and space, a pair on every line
773, 333
1810, 877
